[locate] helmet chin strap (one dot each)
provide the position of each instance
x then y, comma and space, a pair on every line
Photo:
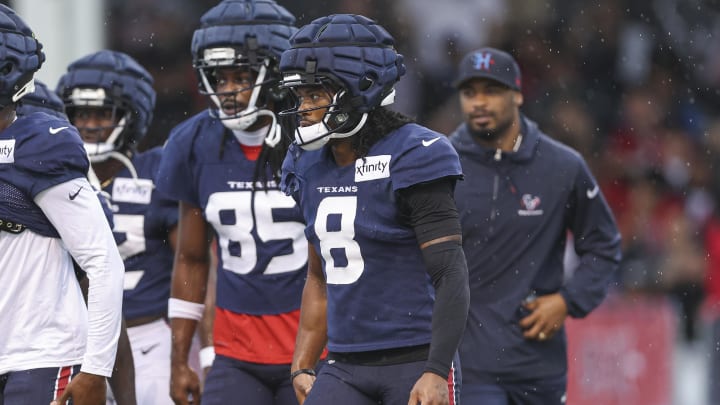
270, 135
238, 123
274, 134
93, 179
316, 132
102, 151
95, 183
317, 135
117, 156
99, 151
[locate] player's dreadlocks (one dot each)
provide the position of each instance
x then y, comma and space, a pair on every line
381, 122
272, 157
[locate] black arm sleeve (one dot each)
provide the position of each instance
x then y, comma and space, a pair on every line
430, 210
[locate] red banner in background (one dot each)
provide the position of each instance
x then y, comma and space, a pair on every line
622, 353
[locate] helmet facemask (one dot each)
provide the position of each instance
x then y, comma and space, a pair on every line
115, 84
338, 121
249, 34
83, 99
225, 105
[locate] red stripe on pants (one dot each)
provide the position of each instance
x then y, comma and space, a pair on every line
63, 379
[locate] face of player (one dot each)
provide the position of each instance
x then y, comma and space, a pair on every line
313, 102
489, 108
234, 85
95, 124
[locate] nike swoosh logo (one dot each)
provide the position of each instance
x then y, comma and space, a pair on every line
147, 350
54, 131
430, 142
592, 193
72, 196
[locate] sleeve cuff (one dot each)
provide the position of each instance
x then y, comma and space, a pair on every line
442, 371
90, 369
573, 310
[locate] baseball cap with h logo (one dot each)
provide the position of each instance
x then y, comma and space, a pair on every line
489, 63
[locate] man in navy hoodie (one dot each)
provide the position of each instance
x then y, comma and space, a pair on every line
523, 195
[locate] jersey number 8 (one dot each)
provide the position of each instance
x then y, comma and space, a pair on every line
338, 269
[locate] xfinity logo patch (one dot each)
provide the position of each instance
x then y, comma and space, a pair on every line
132, 191
7, 151
372, 168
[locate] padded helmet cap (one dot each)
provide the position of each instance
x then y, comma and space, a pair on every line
253, 28
20, 56
127, 86
353, 51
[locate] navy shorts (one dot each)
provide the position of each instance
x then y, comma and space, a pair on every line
352, 384
36, 386
539, 392
233, 381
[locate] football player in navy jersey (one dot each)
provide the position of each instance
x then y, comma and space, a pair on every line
387, 286
44, 100
223, 165
110, 99
52, 347
524, 193
122, 381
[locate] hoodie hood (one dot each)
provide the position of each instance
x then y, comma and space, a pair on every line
465, 143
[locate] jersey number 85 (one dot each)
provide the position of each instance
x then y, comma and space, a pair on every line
236, 229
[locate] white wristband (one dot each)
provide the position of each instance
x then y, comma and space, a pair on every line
207, 356
185, 309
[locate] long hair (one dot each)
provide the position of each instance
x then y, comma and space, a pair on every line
272, 157
380, 123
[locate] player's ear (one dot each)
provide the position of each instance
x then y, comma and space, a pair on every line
517, 99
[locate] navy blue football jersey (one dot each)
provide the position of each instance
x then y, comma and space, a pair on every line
37, 151
262, 252
142, 220
379, 295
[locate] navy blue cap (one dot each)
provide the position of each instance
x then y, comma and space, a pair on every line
490, 63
